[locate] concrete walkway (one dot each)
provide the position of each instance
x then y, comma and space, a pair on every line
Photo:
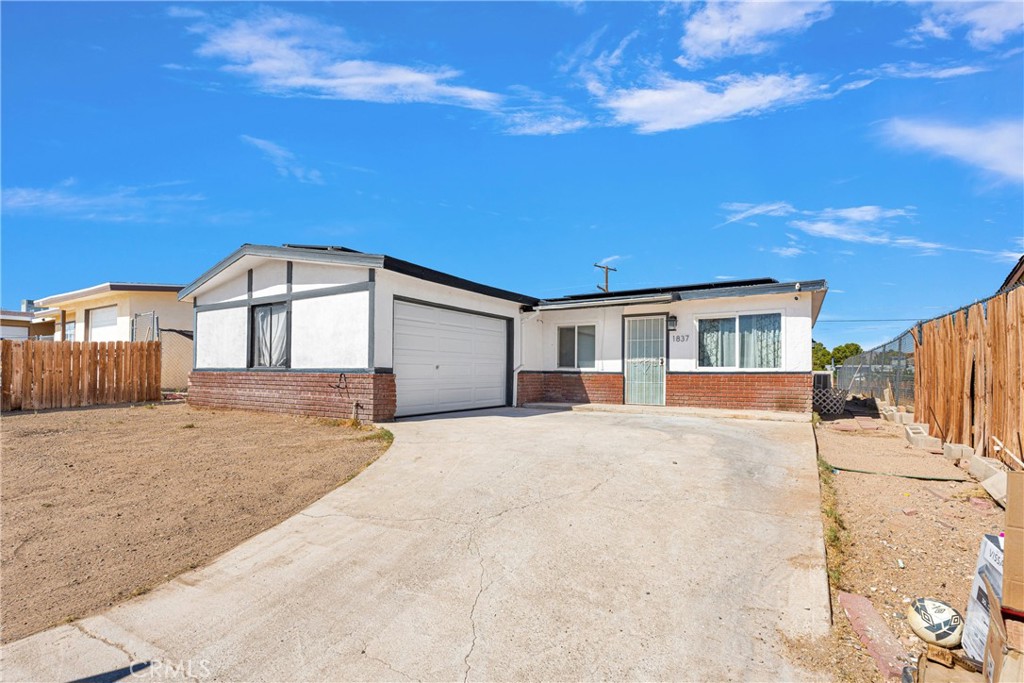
501, 545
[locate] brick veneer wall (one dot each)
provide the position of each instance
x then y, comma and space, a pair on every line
788, 391
322, 394
734, 390
569, 387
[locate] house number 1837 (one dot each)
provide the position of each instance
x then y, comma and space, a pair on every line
680, 337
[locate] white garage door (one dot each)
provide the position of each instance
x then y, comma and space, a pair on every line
103, 324
447, 360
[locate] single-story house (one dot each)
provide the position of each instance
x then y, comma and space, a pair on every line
21, 325
127, 311
334, 332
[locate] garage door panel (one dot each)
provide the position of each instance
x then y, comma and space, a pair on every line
415, 341
447, 360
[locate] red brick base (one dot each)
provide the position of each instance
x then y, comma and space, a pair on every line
740, 390
368, 396
569, 387
734, 390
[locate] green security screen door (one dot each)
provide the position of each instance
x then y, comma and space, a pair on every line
645, 361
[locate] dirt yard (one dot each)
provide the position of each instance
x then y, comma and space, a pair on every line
102, 504
933, 527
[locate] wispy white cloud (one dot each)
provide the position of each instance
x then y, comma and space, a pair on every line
284, 160
869, 224
741, 211
285, 54
123, 204
996, 147
179, 12
725, 277
725, 29
865, 214
787, 252
932, 71
671, 104
608, 260
985, 24
530, 112
598, 72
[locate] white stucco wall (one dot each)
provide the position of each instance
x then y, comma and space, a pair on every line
220, 338
327, 332
269, 278
390, 284
307, 276
331, 331
540, 331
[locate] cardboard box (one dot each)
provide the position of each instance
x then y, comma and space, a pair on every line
990, 567
1013, 545
1004, 648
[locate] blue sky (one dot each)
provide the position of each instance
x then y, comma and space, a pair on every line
878, 146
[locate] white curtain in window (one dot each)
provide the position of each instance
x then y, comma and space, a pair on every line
271, 337
716, 343
760, 340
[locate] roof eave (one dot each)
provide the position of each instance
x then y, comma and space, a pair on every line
689, 295
104, 288
285, 253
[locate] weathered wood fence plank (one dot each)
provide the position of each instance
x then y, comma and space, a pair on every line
37, 375
969, 375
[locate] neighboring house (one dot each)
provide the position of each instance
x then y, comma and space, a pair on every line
21, 325
125, 311
333, 332
1015, 277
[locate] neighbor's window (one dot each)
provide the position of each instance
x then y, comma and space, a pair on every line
269, 336
576, 346
755, 341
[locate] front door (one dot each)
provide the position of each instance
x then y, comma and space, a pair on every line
645, 361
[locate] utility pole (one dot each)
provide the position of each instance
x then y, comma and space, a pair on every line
606, 269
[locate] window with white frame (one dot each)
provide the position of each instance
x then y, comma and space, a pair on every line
743, 341
577, 346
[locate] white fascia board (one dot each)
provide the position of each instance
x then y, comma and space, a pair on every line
625, 301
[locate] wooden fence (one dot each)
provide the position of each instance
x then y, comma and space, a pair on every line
969, 376
35, 375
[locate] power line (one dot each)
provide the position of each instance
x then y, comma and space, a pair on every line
871, 320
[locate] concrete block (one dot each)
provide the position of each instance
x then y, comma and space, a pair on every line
984, 468
889, 414
917, 435
996, 487
957, 452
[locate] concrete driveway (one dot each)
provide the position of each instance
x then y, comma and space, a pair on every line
502, 545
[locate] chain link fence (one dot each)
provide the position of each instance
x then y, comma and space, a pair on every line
175, 349
889, 366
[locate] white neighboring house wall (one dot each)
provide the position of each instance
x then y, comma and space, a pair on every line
540, 331
13, 332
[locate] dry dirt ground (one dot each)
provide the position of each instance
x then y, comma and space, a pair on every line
933, 527
102, 504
